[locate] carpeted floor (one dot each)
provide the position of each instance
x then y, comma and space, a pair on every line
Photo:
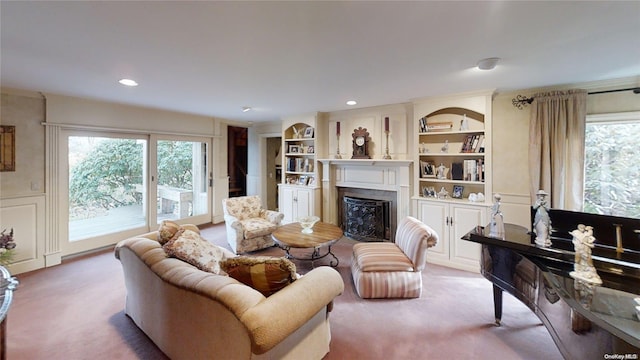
74, 311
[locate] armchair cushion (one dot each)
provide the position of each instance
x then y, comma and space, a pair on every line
263, 273
257, 227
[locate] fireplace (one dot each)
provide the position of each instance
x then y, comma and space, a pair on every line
385, 205
365, 219
372, 179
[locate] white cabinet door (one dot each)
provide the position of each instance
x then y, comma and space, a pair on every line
452, 220
296, 202
464, 219
303, 203
287, 204
436, 216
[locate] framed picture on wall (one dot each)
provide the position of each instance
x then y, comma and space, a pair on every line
7, 148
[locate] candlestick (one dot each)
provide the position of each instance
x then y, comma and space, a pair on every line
386, 124
338, 128
338, 156
386, 153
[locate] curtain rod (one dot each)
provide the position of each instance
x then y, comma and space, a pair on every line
520, 101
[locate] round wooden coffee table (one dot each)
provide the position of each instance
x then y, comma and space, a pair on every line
324, 235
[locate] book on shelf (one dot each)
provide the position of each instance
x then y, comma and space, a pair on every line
473, 170
457, 171
465, 144
474, 144
291, 164
469, 170
471, 143
423, 124
439, 126
481, 146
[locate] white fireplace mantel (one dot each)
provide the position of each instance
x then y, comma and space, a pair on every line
373, 174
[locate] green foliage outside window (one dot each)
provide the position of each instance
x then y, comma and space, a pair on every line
612, 169
111, 174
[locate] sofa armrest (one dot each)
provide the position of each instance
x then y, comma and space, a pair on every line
233, 223
282, 313
272, 216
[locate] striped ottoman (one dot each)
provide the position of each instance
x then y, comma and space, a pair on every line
388, 270
382, 270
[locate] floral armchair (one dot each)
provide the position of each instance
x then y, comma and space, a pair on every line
249, 226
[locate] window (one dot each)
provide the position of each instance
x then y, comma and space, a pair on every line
120, 182
612, 165
182, 179
106, 185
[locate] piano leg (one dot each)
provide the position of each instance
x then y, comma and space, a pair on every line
497, 304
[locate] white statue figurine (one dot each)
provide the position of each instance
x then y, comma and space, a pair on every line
296, 132
441, 171
443, 193
464, 123
583, 241
542, 221
496, 226
445, 147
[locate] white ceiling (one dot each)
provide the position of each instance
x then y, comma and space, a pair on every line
286, 58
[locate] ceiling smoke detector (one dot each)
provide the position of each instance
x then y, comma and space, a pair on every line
488, 63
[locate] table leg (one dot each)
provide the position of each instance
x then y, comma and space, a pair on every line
497, 304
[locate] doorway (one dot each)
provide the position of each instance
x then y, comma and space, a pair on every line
274, 171
237, 160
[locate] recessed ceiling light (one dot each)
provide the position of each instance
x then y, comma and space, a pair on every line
351, 102
488, 63
246, 108
128, 82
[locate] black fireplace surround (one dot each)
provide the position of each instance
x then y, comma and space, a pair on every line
365, 219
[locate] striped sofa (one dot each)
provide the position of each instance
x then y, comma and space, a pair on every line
393, 270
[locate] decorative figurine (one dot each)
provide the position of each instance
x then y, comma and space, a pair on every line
442, 171
542, 221
464, 123
445, 147
496, 226
583, 241
443, 194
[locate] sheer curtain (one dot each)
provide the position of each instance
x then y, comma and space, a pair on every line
556, 147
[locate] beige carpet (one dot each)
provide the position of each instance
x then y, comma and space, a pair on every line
74, 311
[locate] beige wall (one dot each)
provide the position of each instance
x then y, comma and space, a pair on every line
22, 192
26, 111
511, 139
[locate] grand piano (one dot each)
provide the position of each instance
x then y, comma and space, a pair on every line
586, 321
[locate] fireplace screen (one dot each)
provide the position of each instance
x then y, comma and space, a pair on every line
365, 220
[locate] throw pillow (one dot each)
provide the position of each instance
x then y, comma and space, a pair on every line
167, 231
193, 249
263, 273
